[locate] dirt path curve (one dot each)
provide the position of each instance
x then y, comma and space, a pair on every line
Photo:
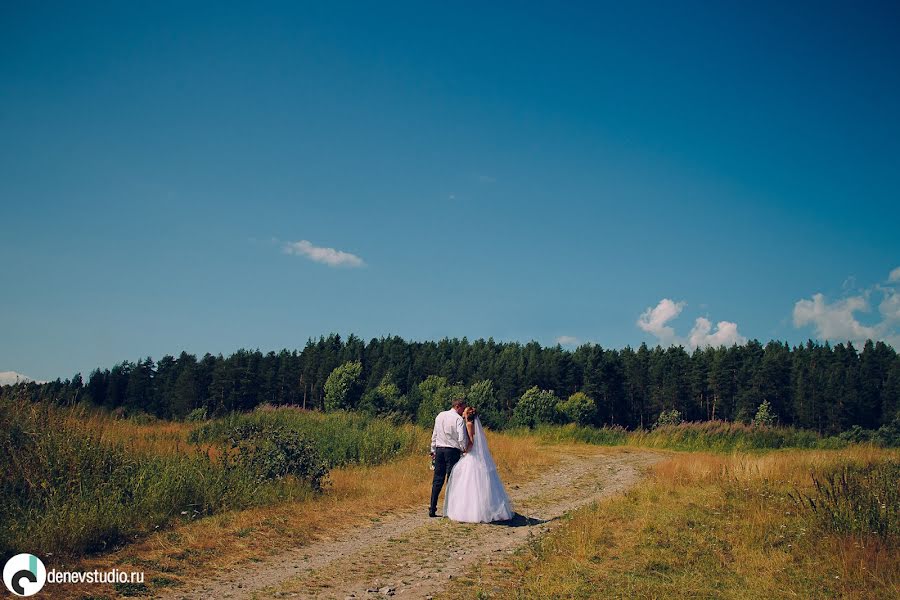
408, 555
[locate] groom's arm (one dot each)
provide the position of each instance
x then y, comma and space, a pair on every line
434, 435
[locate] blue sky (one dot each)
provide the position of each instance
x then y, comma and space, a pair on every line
507, 170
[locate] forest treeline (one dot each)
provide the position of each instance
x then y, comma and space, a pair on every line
814, 386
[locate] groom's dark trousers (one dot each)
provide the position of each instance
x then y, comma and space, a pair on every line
444, 459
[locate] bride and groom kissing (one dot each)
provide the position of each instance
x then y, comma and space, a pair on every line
460, 453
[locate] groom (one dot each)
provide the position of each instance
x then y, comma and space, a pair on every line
448, 442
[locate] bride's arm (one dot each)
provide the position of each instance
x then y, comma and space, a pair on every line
470, 429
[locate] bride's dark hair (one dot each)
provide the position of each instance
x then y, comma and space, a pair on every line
472, 413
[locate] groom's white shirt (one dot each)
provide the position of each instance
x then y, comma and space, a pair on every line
449, 431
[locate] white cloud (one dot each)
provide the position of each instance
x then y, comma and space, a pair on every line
890, 307
327, 256
654, 321
726, 334
11, 378
567, 340
836, 321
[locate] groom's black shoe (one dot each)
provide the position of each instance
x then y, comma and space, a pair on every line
431, 513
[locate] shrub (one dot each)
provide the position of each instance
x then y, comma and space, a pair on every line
668, 417
197, 415
340, 438
888, 435
271, 452
764, 417
579, 408
142, 418
536, 407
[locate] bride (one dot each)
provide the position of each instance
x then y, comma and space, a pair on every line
475, 493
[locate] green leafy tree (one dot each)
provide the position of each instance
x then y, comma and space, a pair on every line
385, 398
436, 395
343, 386
764, 416
481, 395
536, 407
579, 408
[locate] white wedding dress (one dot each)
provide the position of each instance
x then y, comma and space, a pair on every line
475, 493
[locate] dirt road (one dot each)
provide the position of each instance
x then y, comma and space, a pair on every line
408, 555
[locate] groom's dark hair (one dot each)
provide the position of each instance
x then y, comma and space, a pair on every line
458, 402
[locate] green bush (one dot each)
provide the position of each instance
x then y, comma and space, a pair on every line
886, 436
668, 417
537, 407
142, 418
339, 438
197, 415
579, 408
271, 452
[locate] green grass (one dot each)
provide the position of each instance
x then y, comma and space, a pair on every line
74, 482
708, 436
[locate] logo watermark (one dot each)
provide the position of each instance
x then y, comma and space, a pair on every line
26, 575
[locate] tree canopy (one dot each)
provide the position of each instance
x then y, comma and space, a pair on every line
816, 386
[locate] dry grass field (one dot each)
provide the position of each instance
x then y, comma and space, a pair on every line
723, 526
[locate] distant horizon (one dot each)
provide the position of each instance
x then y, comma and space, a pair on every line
214, 177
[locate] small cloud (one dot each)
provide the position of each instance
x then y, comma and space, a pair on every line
894, 277
726, 334
452, 197
487, 179
654, 321
12, 378
326, 256
568, 340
